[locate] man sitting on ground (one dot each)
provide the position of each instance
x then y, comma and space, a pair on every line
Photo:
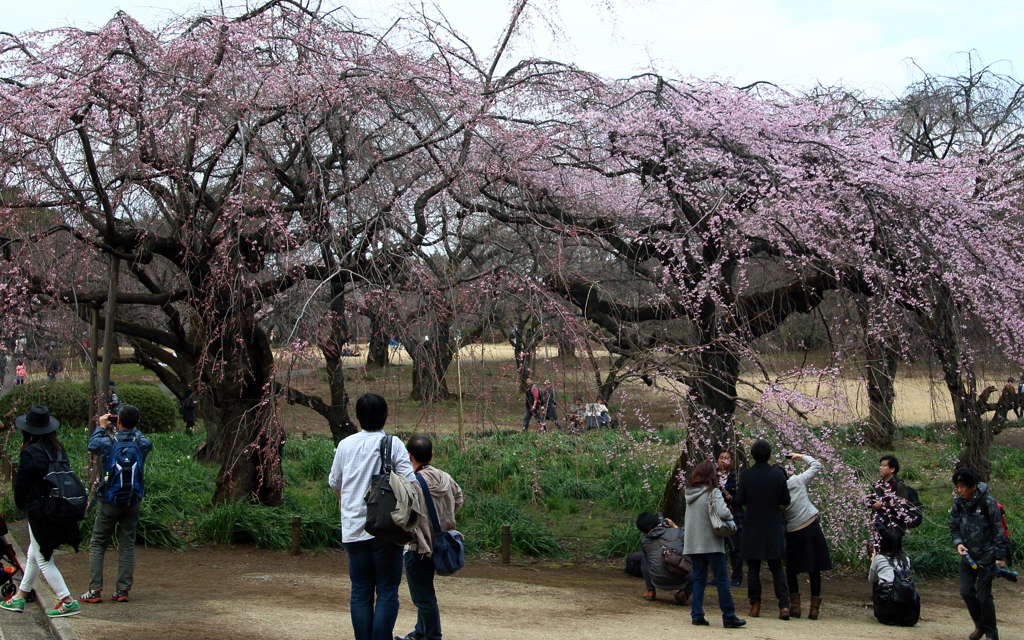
660, 533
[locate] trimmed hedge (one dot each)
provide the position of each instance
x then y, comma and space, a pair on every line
69, 403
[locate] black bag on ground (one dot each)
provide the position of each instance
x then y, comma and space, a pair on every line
381, 501
64, 496
633, 564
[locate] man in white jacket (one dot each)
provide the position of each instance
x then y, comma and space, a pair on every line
419, 562
374, 564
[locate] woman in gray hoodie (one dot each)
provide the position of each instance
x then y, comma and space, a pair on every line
704, 547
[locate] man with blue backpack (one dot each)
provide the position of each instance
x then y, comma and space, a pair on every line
122, 449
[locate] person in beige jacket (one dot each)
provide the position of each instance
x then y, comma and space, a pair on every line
419, 563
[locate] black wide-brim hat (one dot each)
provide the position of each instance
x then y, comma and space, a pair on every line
37, 421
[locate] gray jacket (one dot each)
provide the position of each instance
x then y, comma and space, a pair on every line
700, 538
800, 509
651, 544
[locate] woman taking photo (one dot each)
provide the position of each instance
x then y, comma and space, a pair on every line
39, 448
806, 548
707, 550
882, 574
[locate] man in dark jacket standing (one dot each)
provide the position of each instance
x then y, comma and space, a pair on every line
977, 530
762, 490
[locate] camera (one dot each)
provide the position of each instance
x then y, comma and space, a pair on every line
112, 420
661, 519
788, 456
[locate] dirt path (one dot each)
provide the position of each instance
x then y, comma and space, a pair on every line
217, 592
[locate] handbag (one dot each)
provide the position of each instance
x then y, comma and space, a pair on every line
449, 553
721, 528
381, 502
675, 562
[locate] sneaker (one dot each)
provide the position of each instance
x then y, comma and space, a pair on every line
121, 595
65, 609
17, 605
91, 596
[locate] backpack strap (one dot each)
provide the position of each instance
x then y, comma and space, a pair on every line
430, 504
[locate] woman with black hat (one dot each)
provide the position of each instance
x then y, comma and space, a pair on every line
39, 448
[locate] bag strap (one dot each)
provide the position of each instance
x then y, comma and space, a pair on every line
385, 455
430, 504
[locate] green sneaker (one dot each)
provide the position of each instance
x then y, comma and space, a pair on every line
65, 609
17, 605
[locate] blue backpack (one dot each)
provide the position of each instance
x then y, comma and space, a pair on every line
125, 484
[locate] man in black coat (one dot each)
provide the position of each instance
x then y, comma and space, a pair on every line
762, 490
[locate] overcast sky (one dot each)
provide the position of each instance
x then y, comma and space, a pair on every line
861, 43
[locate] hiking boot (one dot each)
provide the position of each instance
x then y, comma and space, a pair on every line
682, 599
91, 596
735, 623
121, 595
17, 605
794, 605
650, 595
65, 609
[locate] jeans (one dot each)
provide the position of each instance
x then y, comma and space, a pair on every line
374, 568
127, 521
35, 564
778, 579
976, 590
526, 419
419, 574
716, 561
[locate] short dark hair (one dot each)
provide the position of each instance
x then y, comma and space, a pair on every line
128, 416
421, 448
892, 461
761, 451
646, 522
371, 411
966, 476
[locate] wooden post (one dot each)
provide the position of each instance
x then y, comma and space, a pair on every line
7, 468
296, 535
506, 544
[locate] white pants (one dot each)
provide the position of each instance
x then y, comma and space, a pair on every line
35, 565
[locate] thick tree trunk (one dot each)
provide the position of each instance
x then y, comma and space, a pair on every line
881, 372
431, 359
377, 352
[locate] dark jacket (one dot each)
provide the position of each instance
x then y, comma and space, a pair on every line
652, 543
762, 490
895, 501
188, 409
28, 496
978, 526
730, 488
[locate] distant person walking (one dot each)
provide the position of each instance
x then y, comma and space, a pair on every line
39, 448
188, 410
762, 490
707, 550
806, 547
534, 405
374, 564
447, 497
20, 372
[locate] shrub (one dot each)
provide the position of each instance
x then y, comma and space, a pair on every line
67, 401
623, 540
159, 410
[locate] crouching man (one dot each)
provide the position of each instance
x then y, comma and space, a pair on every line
659, 534
447, 497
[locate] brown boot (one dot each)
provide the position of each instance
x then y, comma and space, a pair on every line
755, 609
812, 613
784, 613
794, 605
651, 595
976, 634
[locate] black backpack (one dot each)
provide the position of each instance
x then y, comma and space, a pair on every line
633, 564
64, 495
904, 591
915, 514
381, 501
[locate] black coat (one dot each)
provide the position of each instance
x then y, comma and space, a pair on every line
762, 490
28, 496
